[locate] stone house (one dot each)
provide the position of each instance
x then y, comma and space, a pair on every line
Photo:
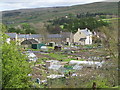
22, 37
83, 37
57, 38
67, 37
54, 38
12, 36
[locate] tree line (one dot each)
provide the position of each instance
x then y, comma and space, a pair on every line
24, 28
72, 23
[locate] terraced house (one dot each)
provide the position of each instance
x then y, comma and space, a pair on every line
81, 37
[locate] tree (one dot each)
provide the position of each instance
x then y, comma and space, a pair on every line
23, 29
73, 23
110, 42
42, 30
27, 28
15, 68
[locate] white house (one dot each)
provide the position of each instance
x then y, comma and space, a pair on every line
83, 37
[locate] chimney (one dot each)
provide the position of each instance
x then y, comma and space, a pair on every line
60, 32
78, 29
87, 29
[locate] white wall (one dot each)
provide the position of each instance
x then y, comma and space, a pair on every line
88, 40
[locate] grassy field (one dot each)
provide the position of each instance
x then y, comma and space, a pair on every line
44, 14
110, 19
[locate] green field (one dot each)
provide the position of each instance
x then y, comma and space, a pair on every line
44, 14
109, 19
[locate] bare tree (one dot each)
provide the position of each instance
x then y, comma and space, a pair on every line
42, 30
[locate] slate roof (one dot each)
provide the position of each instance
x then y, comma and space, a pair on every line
29, 36
29, 41
86, 32
54, 36
11, 35
66, 34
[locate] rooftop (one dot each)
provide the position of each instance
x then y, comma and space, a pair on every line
54, 36
12, 35
86, 32
29, 36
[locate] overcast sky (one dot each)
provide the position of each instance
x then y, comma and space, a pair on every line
15, 4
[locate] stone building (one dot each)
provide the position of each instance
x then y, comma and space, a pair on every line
83, 37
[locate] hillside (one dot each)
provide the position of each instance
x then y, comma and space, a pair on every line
43, 14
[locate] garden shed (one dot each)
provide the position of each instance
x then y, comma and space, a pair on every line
52, 44
37, 46
57, 48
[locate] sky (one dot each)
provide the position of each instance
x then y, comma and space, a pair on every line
22, 4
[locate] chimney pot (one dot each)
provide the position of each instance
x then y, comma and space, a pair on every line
78, 29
